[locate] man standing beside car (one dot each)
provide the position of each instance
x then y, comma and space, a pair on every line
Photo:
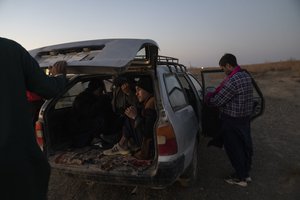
234, 98
24, 170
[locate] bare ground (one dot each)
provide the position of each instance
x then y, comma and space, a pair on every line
276, 164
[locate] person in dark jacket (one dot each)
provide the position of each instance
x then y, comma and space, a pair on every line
92, 114
24, 170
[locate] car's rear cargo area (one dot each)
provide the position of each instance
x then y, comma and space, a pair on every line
91, 158
66, 141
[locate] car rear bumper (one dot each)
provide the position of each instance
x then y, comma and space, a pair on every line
165, 175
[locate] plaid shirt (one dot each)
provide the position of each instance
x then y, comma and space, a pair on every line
236, 96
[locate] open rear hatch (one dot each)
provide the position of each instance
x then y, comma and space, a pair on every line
96, 56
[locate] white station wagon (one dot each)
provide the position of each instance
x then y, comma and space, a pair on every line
178, 104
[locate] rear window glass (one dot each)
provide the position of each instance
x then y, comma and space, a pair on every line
175, 92
68, 98
197, 86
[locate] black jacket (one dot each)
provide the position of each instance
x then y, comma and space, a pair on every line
24, 170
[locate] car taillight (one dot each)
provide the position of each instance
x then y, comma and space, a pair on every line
39, 134
166, 140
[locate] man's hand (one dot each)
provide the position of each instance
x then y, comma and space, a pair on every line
131, 112
208, 96
125, 87
60, 67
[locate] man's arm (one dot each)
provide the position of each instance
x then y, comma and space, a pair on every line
224, 95
37, 81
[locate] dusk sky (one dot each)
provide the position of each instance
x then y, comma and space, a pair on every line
198, 32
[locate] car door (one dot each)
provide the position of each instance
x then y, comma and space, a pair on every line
210, 79
181, 114
192, 89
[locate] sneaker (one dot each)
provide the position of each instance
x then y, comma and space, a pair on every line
248, 179
116, 150
235, 181
232, 176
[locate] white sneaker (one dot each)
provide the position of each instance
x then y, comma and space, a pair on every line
116, 150
235, 181
248, 179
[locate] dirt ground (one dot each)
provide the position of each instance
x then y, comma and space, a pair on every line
276, 162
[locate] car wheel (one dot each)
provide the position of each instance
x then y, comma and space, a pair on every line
190, 175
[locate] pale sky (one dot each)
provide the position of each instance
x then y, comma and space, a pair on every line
198, 32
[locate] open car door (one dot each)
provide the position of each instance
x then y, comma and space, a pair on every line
211, 78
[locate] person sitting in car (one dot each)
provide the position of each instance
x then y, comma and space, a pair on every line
124, 95
143, 118
92, 114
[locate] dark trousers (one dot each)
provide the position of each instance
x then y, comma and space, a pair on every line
130, 132
238, 143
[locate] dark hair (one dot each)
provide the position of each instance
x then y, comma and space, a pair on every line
95, 84
120, 80
146, 84
228, 59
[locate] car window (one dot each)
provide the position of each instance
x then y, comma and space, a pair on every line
190, 93
197, 86
69, 97
175, 92
108, 85
186, 87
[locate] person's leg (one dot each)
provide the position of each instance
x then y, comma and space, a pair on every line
234, 144
130, 132
126, 133
123, 142
122, 146
145, 152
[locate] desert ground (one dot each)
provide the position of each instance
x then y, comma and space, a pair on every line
276, 162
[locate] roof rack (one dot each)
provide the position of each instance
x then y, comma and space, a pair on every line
167, 59
171, 62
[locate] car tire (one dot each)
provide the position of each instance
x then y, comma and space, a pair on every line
190, 175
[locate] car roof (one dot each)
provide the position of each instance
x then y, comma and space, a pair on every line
107, 53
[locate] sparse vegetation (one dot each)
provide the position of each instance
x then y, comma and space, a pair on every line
290, 65
293, 65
